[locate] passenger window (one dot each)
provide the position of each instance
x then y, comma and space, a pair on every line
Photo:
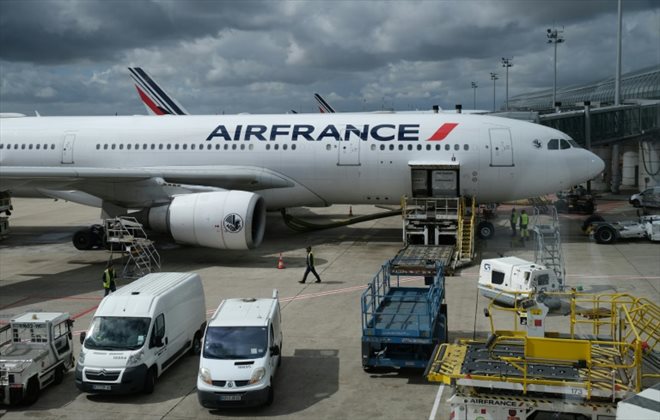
243, 147
438, 147
128, 146
226, 147
160, 146
553, 144
277, 146
267, 146
192, 147
144, 146
121, 146
497, 277
284, 147
233, 147
2, 146
391, 147
565, 144
153, 146
419, 147
217, 146
30, 147
52, 147
185, 146
176, 146
209, 146
457, 147
105, 147
410, 147
466, 147
39, 146
447, 147
382, 147
22, 147
373, 147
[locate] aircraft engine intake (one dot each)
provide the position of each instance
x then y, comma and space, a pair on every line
223, 220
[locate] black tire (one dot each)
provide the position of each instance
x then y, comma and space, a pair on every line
149, 381
271, 394
31, 391
59, 375
485, 230
635, 203
605, 235
196, 346
279, 360
82, 240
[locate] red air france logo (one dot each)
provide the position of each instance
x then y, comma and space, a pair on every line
442, 132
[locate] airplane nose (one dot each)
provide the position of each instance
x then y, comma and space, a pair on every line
596, 165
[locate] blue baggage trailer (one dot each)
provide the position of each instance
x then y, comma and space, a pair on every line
401, 325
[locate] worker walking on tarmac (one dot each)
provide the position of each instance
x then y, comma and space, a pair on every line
514, 221
524, 221
310, 267
109, 279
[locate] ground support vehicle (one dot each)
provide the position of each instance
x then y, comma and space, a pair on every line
242, 353
402, 324
420, 260
139, 331
575, 201
609, 232
35, 351
601, 355
5, 207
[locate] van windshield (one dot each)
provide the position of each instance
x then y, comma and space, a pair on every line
235, 342
114, 333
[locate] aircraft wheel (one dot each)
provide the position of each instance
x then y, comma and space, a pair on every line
485, 230
605, 235
82, 240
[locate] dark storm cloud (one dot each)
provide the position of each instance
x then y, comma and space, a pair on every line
70, 57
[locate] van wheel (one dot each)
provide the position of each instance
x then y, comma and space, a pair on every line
59, 375
31, 392
149, 381
271, 393
196, 346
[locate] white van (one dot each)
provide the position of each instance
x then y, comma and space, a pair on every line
241, 353
139, 331
650, 197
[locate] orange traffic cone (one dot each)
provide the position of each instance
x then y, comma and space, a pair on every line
350, 211
280, 263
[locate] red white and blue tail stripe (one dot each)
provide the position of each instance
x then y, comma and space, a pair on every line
324, 107
155, 99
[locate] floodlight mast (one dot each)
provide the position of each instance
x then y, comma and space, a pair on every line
506, 63
555, 36
493, 77
474, 98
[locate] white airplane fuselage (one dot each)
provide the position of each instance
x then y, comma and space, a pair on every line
207, 180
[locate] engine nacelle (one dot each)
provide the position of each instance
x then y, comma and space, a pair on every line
223, 220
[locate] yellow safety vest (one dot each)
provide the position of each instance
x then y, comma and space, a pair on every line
108, 277
524, 219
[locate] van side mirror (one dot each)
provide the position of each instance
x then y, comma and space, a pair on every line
275, 350
82, 336
158, 341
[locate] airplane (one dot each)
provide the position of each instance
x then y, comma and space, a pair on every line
208, 180
154, 97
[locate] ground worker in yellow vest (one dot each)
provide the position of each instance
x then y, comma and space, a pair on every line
514, 221
109, 279
524, 221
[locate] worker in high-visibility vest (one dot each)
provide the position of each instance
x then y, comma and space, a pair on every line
109, 279
524, 221
514, 221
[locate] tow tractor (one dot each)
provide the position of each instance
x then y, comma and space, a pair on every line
609, 232
575, 200
35, 351
524, 372
402, 324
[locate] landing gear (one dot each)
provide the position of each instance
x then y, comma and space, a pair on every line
89, 238
485, 230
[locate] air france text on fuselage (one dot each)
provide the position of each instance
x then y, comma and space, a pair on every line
295, 132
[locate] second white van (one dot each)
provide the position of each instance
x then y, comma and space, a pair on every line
139, 331
240, 353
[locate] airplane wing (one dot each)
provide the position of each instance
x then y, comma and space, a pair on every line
226, 177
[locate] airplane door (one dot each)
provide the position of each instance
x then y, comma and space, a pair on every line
67, 148
349, 152
501, 149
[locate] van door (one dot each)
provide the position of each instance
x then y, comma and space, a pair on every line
271, 339
158, 342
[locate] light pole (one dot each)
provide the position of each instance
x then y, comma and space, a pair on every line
493, 77
474, 98
506, 63
555, 36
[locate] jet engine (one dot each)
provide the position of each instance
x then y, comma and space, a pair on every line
223, 220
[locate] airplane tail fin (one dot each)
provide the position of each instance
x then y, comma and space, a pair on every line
324, 107
154, 98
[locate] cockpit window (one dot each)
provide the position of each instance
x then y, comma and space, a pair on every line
553, 144
564, 144
573, 143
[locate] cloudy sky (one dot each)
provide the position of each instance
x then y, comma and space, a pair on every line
66, 57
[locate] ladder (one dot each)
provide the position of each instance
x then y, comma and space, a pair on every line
124, 235
465, 231
548, 242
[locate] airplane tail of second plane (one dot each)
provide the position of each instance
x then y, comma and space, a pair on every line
155, 99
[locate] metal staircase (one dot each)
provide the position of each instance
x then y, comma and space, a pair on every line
465, 233
124, 235
548, 242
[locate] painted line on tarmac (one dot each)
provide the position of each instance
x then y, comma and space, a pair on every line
436, 403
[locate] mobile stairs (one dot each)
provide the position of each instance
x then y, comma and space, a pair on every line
126, 236
402, 320
547, 250
604, 355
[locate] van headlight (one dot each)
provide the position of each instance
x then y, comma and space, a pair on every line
81, 357
134, 359
205, 376
257, 375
